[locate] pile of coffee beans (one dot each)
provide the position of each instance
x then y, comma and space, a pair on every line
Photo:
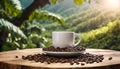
66, 49
82, 59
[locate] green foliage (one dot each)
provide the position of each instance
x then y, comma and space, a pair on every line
3, 14
11, 28
54, 1
107, 37
95, 19
14, 43
78, 2
34, 32
44, 15
11, 7
38, 40
17, 4
30, 27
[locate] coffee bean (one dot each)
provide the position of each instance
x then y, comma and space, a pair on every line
110, 58
16, 56
48, 62
42, 61
77, 63
82, 64
71, 63
23, 57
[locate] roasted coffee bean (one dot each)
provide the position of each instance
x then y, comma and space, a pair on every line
41, 61
71, 63
36, 60
66, 49
110, 58
23, 57
48, 62
16, 56
77, 63
82, 64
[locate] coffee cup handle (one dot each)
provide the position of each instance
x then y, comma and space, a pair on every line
77, 35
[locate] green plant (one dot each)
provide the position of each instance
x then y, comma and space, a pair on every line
106, 37
15, 34
4, 24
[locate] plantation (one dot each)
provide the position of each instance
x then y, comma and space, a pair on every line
27, 24
107, 37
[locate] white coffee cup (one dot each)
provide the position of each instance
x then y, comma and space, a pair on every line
64, 39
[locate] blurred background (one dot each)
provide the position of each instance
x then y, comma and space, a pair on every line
29, 23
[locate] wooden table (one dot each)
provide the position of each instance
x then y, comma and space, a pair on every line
8, 60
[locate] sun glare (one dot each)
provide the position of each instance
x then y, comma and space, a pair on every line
113, 4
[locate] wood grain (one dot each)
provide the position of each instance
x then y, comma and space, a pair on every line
8, 60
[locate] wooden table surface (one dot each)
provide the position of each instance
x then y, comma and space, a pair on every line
8, 60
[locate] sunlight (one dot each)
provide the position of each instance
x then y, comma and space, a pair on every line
113, 4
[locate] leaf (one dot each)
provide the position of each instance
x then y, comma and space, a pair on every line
54, 1
11, 7
45, 15
17, 4
11, 28
78, 2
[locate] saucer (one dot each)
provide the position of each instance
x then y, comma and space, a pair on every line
62, 54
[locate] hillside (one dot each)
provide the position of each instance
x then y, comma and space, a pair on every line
107, 37
86, 20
